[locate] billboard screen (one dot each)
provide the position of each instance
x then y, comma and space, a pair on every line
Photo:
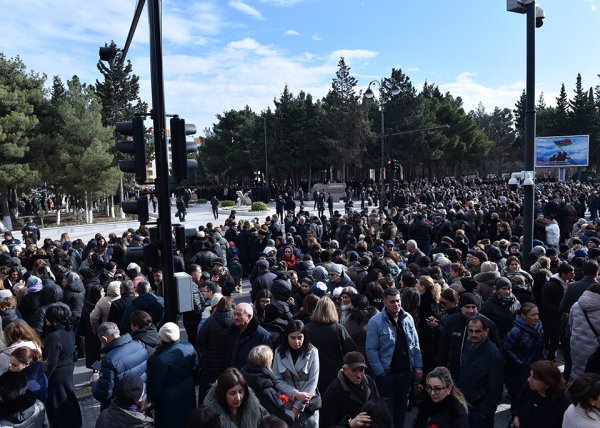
562, 152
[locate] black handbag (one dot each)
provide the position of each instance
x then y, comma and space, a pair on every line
314, 404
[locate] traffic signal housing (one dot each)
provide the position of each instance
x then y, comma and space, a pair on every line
138, 207
135, 146
180, 148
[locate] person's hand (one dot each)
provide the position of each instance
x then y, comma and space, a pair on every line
291, 301
418, 374
296, 413
433, 322
516, 422
303, 397
95, 378
360, 420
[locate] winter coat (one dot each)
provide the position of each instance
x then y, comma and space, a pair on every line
28, 306
122, 356
262, 381
486, 282
171, 383
74, 294
501, 311
577, 417
249, 415
583, 338
301, 376
151, 303
92, 343
9, 316
448, 413
453, 338
481, 377
239, 344
381, 342
264, 280
23, 412
535, 411
117, 417
342, 402
333, 342
211, 343
117, 308
100, 313
62, 406
522, 346
552, 294
5, 354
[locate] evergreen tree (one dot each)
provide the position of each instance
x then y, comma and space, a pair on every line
21, 99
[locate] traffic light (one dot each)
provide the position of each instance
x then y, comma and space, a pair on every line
395, 164
136, 147
388, 163
139, 207
180, 148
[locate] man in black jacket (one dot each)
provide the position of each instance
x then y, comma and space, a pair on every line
117, 307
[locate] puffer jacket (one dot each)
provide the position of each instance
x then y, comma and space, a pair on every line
250, 413
74, 294
582, 337
24, 412
522, 346
211, 344
262, 381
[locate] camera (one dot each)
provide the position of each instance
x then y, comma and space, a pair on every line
539, 16
513, 184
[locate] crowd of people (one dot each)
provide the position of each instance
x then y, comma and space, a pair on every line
355, 318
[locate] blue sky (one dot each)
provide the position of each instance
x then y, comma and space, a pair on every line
225, 54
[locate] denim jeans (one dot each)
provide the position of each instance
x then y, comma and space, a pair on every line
394, 389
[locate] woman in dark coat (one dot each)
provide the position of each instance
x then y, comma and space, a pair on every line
444, 404
428, 308
358, 319
211, 344
91, 341
523, 345
331, 340
59, 346
261, 379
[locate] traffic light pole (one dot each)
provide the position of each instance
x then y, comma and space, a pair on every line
162, 162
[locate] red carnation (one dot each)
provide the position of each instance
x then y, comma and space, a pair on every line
433, 426
285, 399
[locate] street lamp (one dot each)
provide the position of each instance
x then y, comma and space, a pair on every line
369, 94
535, 17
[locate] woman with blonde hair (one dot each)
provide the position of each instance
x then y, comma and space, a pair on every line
330, 338
444, 404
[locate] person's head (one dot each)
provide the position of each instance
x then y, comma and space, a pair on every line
108, 331
478, 330
590, 268
335, 273
513, 264
22, 357
169, 333
130, 391
448, 298
325, 311
19, 331
243, 315
457, 270
232, 390
378, 410
143, 287
205, 417
585, 391
195, 271
503, 286
530, 313
296, 338
566, 272
391, 301
439, 384
546, 379
59, 316
261, 355
208, 290
13, 385
140, 320
354, 367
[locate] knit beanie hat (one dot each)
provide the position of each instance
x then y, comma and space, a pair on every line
169, 332
503, 282
469, 299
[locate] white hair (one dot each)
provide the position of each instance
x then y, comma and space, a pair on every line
247, 308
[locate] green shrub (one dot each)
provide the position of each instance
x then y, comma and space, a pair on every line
202, 201
227, 203
259, 206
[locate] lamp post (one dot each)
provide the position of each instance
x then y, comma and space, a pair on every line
535, 16
266, 162
369, 94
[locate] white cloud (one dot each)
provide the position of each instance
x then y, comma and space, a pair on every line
282, 2
317, 38
473, 92
351, 55
291, 33
245, 8
593, 4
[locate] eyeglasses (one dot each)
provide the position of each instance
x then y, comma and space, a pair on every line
435, 389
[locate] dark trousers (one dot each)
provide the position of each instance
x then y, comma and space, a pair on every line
190, 322
394, 389
477, 420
